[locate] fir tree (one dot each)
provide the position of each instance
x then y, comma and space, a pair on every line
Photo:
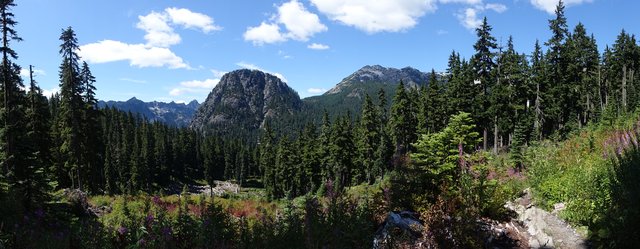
402, 121
71, 109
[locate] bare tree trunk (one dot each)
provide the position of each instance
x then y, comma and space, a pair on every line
484, 139
624, 88
495, 134
600, 89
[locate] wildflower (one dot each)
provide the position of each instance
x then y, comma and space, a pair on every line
149, 218
122, 230
156, 200
141, 242
166, 231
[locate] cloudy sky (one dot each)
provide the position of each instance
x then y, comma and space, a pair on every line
178, 50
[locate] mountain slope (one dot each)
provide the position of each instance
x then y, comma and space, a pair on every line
173, 114
350, 92
243, 100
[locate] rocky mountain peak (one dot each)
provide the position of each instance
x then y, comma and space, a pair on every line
244, 99
379, 74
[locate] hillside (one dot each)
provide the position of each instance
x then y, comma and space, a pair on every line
349, 93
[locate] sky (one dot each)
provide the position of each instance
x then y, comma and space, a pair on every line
169, 50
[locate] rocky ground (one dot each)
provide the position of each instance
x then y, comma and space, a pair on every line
541, 228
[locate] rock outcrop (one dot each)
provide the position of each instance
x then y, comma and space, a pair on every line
243, 100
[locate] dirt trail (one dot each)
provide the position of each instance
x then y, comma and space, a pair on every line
545, 229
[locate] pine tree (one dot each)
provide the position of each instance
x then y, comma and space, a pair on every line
435, 104
556, 68
539, 79
38, 124
402, 121
71, 109
368, 139
342, 151
17, 155
582, 69
483, 65
384, 151
91, 132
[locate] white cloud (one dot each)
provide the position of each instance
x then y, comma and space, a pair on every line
469, 18
442, 32
218, 73
208, 83
300, 23
184, 90
159, 34
158, 31
24, 72
550, 5
265, 33
137, 54
376, 16
158, 25
316, 90
189, 19
254, 67
496, 7
318, 46
49, 92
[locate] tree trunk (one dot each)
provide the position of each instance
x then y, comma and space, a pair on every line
484, 139
495, 134
624, 88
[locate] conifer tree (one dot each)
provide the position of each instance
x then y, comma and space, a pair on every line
402, 121
91, 132
38, 123
368, 139
71, 109
556, 66
15, 153
483, 65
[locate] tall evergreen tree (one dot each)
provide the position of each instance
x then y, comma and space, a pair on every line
71, 109
367, 144
16, 155
402, 121
557, 94
483, 65
38, 123
91, 142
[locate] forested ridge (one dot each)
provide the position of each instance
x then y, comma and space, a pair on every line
457, 147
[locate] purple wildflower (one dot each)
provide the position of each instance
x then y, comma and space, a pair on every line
149, 219
156, 200
166, 231
141, 242
122, 230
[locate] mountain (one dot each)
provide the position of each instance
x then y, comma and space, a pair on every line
243, 100
350, 92
174, 114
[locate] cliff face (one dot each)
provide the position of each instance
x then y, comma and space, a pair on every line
243, 101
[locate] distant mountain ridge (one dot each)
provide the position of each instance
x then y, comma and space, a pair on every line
244, 100
348, 94
173, 114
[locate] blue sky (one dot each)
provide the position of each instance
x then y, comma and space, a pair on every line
177, 50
